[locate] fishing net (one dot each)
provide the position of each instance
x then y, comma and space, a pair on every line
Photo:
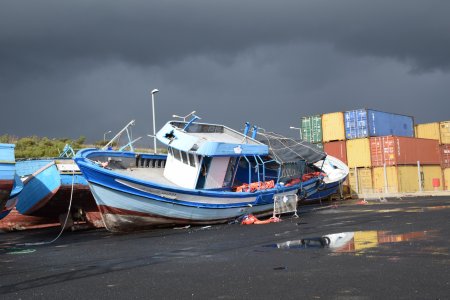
292, 155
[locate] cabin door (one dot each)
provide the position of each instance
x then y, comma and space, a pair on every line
205, 164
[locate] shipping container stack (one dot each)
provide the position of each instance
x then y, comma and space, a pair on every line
439, 132
333, 139
311, 130
362, 129
384, 151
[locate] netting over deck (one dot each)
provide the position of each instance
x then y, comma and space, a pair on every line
287, 150
291, 154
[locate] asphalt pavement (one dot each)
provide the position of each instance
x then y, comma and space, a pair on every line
398, 249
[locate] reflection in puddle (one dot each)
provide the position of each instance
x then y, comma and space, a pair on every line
439, 207
411, 209
353, 242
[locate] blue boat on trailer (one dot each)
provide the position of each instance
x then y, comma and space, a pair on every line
211, 174
10, 184
50, 185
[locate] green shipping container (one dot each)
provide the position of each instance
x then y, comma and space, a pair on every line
312, 129
319, 145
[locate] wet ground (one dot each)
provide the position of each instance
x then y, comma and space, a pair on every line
397, 249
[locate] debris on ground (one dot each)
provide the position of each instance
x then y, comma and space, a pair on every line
184, 227
251, 219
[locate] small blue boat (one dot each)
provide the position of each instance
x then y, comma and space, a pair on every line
7, 174
211, 174
49, 185
336, 172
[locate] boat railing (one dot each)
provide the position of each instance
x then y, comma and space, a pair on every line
116, 138
144, 162
68, 152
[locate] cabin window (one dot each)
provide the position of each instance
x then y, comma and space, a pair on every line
231, 171
184, 156
191, 160
176, 154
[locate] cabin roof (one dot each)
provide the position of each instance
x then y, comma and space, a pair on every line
209, 140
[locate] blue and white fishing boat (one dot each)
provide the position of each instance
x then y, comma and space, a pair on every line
48, 185
211, 174
9, 188
336, 172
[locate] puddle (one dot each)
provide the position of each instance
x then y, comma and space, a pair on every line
440, 207
351, 242
412, 209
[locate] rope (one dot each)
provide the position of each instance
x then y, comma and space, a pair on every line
65, 221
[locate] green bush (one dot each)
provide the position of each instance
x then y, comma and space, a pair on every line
34, 147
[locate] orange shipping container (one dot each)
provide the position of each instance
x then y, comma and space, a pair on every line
445, 132
446, 179
396, 150
358, 153
428, 131
333, 127
396, 179
445, 156
337, 149
430, 176
360, 180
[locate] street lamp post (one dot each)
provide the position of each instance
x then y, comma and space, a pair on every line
104, 135
299, 130
154, 123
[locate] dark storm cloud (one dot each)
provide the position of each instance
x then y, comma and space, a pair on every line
70, 68
40, 36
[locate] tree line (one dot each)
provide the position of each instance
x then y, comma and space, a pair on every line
34, 146
44, 147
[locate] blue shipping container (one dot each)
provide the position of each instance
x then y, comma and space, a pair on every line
362, 123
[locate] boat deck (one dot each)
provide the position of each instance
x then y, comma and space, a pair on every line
154, 175
217, 137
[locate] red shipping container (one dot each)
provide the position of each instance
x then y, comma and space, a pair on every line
337, 149
445, 156
397, 150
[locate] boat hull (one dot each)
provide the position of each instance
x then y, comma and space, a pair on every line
7, 172
327, 190
47, 193
13, 197
123, 212
6, 186
336, 173
126, 203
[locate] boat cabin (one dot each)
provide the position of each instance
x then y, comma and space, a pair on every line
206, 156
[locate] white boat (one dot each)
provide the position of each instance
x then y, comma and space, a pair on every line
336, 172
211, 174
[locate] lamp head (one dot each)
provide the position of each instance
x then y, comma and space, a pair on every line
155, 91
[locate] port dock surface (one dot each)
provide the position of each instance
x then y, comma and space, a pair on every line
389, 249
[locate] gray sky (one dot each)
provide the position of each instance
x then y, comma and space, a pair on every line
71, 68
